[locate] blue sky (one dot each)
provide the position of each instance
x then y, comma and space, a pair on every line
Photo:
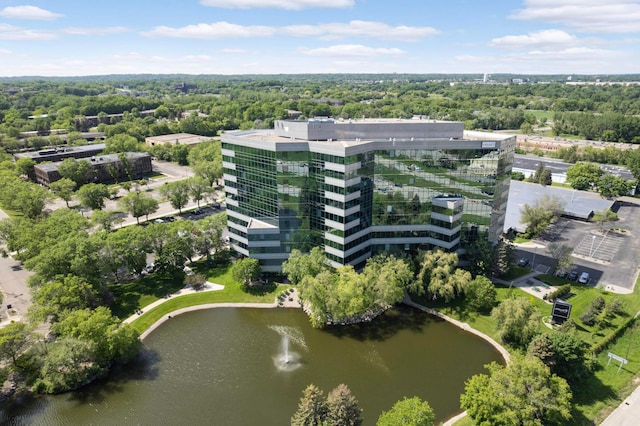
74, 37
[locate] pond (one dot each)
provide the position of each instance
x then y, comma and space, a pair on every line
242, 366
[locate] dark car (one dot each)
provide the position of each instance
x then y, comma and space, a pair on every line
523, 262
573, 275
197, 212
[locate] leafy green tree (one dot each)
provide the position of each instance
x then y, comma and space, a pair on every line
24, 166
312, 408
93, 195
106, 219
211, 171
564, 353
179, 154
63, 188
517, 321
122, 253
561, 256
522, 393
76, 170
209, 233
54, 298
198, 188
14, 339
480, 254
121, 143
591, 172
602, 216
113, 342
546, 178
29, 199
439, 277
610, 185
299, 265
481, 294
342, 407
177, 193
68, 364
246, 270
408, 412
504, 256
138, 204
536, 217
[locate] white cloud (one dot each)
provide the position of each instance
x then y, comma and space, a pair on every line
231, 51
10, 32
217, 30
572, 53
355, 50
279, 4
29, 12
94, 30
539, 38
594, 16
371, 29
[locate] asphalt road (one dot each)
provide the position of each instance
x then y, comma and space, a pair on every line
530, 162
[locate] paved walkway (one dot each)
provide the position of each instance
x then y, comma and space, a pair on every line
627, 414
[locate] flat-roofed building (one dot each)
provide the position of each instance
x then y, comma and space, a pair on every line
102, 168
59, 154
361, 187
177, 139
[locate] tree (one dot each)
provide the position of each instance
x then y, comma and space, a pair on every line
546, 178
517, 321
536, 217
211, 171
54, 298
179, 154
522, 393
198, 188
195, 281
68, 364
312, 408
209, 233
24, 166
480, 254
588, 172
177, 193
76, 170
602, 216
92, 195
120, 143
106, 218
564, 353
504, 256
610, 186
299, 265
408, 412
481, 294
439, 277
246, 270
342, 407
138, 204
63, 188
14, 338
561, 255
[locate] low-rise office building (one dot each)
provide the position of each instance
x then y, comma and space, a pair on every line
102, 168
361, 187
177, 139
59, 154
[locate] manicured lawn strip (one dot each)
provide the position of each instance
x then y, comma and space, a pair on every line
223, 296
516, 272
233, 292
134, 295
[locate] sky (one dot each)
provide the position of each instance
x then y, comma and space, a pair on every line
87, 37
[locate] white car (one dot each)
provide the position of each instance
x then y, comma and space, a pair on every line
584, 278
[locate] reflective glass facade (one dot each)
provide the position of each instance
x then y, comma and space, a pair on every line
356, 196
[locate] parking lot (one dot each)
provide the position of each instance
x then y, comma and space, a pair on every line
610, 257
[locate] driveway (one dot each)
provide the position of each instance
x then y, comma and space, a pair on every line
13, 284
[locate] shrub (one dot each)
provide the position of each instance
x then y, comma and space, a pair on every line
559, 292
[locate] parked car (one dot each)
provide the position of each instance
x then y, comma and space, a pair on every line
197, 212
573, 275
584, 278
149, 268
562, 274
159, 221
523, 262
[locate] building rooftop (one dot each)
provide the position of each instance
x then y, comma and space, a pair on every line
179, 138
99, 159
68, 149
579, 204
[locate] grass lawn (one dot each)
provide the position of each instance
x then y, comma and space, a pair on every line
233, 292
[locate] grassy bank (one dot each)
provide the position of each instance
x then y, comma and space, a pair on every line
233, 292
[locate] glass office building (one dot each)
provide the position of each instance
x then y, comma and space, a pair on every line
360, 187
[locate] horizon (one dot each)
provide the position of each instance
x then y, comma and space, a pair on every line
71, 38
